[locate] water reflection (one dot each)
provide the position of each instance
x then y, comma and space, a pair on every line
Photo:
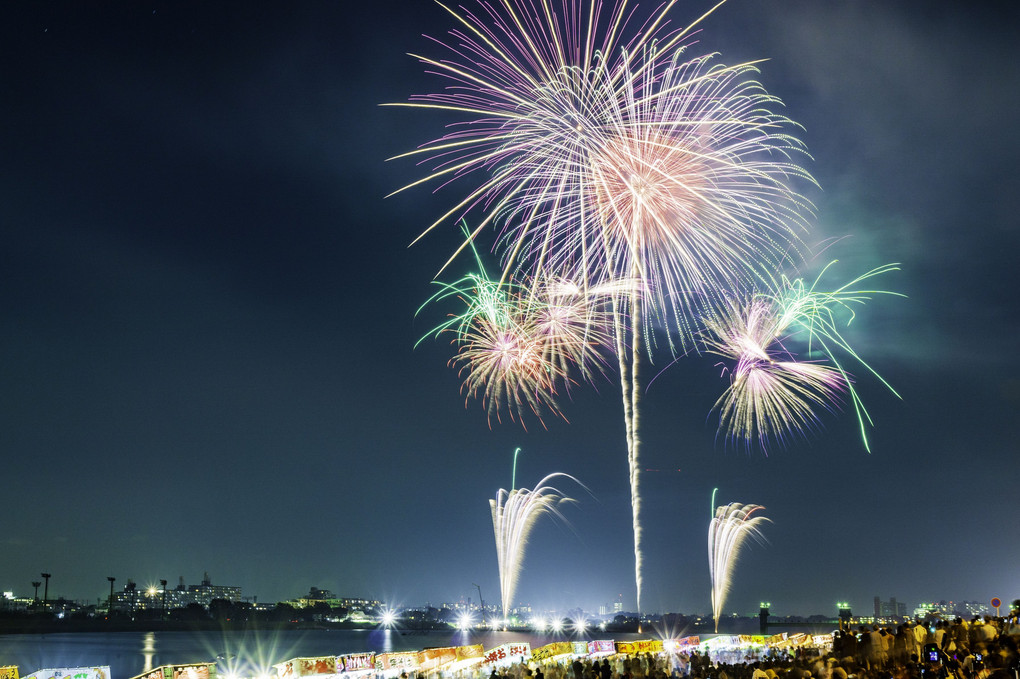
148, 650
381, 639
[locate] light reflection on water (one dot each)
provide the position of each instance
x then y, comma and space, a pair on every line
148, 650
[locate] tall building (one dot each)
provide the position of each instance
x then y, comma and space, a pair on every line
204, 594
889, 609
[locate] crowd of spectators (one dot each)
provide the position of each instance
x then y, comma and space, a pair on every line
982, 648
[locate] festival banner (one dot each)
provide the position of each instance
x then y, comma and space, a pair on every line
396, 661
356, 662
680, 645
9, 672
822, 640
552, 650
775, 639
192, 671
197, 671
325, 664
101, 672
579, 647
643, 646
509, 653
470, 652
431, 658
601, 647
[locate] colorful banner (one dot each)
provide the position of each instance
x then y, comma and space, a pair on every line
680, 645
396, 661
643, 646
101, 672
431, 658
305, 667
9, 672
202, 671
470, 652
192, 671
356, 662
552, 650
326, 664
822, 640
602, 647
509, 653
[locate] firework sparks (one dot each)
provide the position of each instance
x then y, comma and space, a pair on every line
517, 345
727, 532
773, 394
514, 514
604, 155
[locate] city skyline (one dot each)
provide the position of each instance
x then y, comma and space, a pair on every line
208, 590
208, 325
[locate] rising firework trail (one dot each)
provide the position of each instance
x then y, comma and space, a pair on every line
607, 157
729, 528
514, 514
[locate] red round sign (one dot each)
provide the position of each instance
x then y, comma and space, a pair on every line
996, 602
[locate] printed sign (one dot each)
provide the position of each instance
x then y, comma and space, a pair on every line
557, 648
396, 661
508, 653
357, 662
322, 665
102, 672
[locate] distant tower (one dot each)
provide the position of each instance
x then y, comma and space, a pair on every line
878, 607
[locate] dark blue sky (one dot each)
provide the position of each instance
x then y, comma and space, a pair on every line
207, 320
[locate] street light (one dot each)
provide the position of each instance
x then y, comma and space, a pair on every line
162, 613
36, 583
109, 607
481, 603
46, 589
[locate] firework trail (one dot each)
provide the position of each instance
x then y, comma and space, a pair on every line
729, 528
604, 155
772, 394
514, 514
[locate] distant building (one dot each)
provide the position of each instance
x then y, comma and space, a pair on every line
134, 598
204, 594
324, 596
9, 602
889, 609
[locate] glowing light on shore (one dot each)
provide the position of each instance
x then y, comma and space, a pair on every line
727, 532
514, 514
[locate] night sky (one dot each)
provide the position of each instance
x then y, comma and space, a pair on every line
207, 320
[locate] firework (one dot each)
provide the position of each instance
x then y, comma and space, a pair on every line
729, 528
518, 345
514, 514
605, 156
772, 393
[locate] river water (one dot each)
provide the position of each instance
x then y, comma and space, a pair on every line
131, 653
